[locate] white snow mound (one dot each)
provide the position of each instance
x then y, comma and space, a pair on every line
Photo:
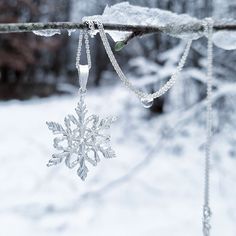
176, 25
125, 13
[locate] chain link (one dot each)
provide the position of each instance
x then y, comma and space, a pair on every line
87, 47
78, 55
83, 34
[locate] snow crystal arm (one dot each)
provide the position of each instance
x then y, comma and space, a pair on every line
138, 29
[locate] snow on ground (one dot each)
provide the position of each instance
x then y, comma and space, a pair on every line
153, 187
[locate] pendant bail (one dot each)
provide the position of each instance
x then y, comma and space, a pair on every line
83, 72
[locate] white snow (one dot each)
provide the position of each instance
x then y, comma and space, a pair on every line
125, 13
153, 187
225, 39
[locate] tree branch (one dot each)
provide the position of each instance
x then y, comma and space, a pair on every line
185, 28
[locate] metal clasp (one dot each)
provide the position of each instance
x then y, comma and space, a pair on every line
83, 72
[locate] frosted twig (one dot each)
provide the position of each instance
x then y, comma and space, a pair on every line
194, 27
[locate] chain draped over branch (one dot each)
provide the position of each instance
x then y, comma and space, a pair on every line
138, 29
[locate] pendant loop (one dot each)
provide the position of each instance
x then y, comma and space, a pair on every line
83, 72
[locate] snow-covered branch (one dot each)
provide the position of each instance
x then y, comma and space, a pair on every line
28, 27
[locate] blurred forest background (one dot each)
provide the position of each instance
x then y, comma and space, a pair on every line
155, 184
31, 65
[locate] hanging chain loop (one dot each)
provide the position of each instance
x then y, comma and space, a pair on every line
140, 94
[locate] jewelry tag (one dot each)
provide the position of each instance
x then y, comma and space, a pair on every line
83, 71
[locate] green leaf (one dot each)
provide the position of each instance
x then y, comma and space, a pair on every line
119, 45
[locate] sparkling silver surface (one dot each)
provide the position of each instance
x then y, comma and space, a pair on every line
83, 140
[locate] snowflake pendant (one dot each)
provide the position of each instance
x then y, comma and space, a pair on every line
82, 140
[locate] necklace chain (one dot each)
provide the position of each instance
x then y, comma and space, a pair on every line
124, 79
83, 34
208, 24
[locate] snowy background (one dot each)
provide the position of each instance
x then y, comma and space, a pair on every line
155, 184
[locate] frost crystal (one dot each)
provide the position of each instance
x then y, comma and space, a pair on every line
82, 140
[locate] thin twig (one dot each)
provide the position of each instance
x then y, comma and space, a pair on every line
193, 27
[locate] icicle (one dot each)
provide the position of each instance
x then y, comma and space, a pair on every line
70, 31
47, 32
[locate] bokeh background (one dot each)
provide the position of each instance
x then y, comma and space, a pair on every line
155, 185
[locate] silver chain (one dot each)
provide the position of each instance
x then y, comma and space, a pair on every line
141, 95
208, 24
83, 34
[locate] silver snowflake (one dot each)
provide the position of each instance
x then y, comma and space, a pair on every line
82, 140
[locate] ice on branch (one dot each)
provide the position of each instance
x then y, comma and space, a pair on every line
70, 31
82, 141
176, 25
47, 32
125, 13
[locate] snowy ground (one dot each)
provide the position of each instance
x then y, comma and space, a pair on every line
153, 187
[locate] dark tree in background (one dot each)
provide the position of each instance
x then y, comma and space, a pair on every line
31, 65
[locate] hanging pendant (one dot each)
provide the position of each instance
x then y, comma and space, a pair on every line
83, 138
